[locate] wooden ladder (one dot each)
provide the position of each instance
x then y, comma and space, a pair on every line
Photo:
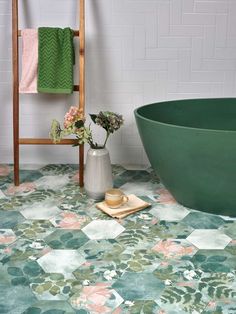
16, 33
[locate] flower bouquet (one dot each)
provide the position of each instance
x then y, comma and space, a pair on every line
98, 173
74, 123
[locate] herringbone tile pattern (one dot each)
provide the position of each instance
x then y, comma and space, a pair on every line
138, 51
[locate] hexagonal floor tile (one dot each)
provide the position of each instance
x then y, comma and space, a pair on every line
139, 286
2, 195
33, 229
15, 299
28, 175
66, 239
98, 298
103, 229
199, 220
139, 188
174, 249
52, 182
230, 230
61, 261
206, 239
9, 219
174, 212
58, 169
7, 236
70, 220
214, 261
53, 307
40, 211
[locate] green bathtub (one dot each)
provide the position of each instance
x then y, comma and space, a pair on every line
191, 144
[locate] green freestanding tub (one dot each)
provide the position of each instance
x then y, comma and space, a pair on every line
191, 144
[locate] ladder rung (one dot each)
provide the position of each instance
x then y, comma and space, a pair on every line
45, 141
76, 33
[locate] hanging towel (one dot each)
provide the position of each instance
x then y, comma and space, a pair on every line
28, 83
56, 60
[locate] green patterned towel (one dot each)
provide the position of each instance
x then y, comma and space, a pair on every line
56, 60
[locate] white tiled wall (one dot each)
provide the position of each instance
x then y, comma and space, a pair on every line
138, 52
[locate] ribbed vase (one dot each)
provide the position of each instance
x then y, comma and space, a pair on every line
98, 173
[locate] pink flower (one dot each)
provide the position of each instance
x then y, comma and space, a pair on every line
76, 177
164, 264
45, 251
94, 298
170, 248
154, 221
74, 114
4, 170
87, 264
165, 197
7, 250
7, 239
71, 221
211, 305
117, 311
22, 188
98, 309
185, 284
98, 294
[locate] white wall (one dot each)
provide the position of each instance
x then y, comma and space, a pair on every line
138, 52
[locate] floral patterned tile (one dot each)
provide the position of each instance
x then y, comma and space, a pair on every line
199, 220
230, 230
28, 175
7, 236
99, 298
66, 239
10, 219
47, 307
214, 261
227, 306
2, 195
139, 286
60, 254
15, 300
33, 229
70, 220
55, 170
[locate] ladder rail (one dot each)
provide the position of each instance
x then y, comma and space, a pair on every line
15, 64
17, 141
82, 82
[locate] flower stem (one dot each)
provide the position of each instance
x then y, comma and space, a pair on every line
108, 134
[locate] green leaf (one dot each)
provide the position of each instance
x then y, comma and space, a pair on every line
79, 124
93, 117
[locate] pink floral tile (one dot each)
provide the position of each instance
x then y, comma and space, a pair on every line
70, 220
21, 189
98, 299
172, 248
4, 170
7, 236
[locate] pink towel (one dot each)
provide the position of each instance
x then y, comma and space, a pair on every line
29, 74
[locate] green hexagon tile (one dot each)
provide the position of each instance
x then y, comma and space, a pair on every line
59, 254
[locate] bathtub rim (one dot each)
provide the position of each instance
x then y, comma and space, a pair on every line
180, 126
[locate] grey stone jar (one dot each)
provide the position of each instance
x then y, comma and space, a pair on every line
98, 173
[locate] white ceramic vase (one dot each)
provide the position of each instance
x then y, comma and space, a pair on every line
98, 173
